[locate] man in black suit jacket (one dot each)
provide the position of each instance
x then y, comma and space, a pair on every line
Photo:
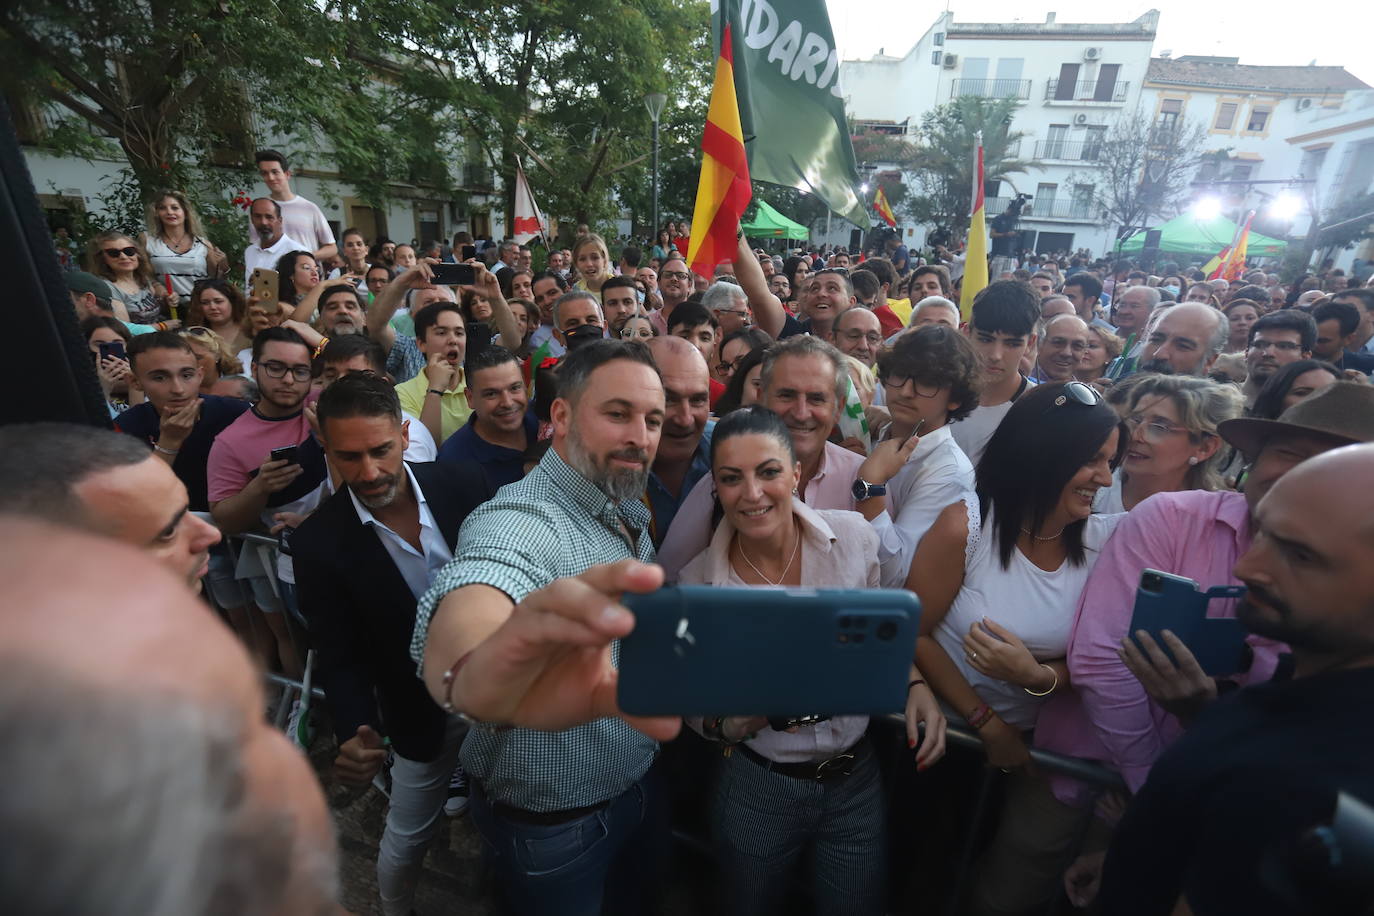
362, 561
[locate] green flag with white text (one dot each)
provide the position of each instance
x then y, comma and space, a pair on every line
787, 77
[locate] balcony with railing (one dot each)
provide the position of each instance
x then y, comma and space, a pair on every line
1069, 150
992, 89
1078, 91
1073, 209
478, 176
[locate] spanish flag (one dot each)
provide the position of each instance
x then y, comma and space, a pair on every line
884, 209
976, 254
724, 191
1233, 265
1213, 267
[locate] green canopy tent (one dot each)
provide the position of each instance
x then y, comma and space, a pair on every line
1204, 238
770, 224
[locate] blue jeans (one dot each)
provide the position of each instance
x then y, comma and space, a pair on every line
609, 858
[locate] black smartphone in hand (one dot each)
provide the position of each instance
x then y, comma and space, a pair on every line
453, 274
286, 453
111, 349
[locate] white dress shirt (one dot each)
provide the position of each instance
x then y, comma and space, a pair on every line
418, 569
938, 474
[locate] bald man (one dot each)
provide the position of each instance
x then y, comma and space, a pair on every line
1064, 343
684, 449
1194, 833
141, 775
107, 483
1185, 340
858, 333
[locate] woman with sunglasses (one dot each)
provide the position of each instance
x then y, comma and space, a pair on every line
774, 820
177, 247
218, 305
122, 261
999, 577
1172, 442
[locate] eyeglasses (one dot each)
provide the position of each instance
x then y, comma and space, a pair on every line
856, 335
1156, 431
130, 252
1079, 393
275, 369
738, 313
632, 333
897, 382
674, 275
1283, 346
197, 331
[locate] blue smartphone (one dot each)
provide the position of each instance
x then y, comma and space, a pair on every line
701, 650
1168, 602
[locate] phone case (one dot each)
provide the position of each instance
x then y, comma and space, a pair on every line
699, 650
453, 274
1168, 602
264, 284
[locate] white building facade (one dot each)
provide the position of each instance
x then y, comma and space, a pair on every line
1072, 79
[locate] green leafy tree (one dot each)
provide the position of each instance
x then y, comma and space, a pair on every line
944, 164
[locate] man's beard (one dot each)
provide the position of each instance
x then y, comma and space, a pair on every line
1277, 621
343, 326
1161, 366
384, 498
620, 484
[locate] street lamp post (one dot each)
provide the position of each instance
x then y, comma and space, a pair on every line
655, 101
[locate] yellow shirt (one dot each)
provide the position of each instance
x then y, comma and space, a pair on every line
455, 403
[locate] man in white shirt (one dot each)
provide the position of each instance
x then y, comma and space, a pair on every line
1001, 328
301, 219
272, 242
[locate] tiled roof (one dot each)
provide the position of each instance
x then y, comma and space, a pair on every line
1246, 76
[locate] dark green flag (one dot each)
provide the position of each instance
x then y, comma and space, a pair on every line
787, 76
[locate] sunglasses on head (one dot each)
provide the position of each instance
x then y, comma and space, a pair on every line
1079, 393
130, 252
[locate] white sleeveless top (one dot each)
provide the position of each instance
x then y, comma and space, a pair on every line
184, 268
1036, 605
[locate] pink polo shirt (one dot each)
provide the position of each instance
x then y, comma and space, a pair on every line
1108, 716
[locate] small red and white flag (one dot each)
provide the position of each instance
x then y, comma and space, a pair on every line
529, 222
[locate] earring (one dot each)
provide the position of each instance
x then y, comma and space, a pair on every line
1192, 459
795, 492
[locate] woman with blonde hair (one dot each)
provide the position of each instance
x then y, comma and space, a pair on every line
121, 260
593, 262
1173, 444
177, 248
1103, 347
213, 356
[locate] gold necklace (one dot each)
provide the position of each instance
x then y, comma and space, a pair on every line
1053, 537
796, 545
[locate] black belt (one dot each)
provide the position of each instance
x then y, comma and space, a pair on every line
814, 770
544, 818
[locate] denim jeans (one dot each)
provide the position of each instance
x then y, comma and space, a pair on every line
609, 858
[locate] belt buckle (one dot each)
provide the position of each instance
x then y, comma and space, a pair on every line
838, 763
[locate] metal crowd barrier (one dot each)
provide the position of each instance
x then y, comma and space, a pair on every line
1086, 771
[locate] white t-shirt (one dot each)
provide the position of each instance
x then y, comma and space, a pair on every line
255, 255
301, 219
935, 476
1038, 606
973, 432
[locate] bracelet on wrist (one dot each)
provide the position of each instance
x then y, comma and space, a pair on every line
918, 680
170, 452
980, 716
1052, 687
434, 391
450, 676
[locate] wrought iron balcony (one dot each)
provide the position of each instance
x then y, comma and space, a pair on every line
1068, 208
1085, 91
1071, 151
478, 176
993, 89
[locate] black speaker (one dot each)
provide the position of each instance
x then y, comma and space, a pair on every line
1153, 237
856, 240
1150, 253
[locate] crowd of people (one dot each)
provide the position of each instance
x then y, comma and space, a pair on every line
464, 479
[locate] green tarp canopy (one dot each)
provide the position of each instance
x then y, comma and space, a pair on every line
1204, 238
770, 224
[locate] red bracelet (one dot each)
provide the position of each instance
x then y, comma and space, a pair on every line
980, 716
449, 677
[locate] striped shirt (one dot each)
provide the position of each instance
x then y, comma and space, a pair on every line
552, 524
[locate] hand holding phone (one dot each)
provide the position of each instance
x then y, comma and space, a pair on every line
452, 274
1168, 602
264, 284
286, 453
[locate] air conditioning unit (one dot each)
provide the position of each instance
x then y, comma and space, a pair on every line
1092, 53
1080, 120
951, 61
1304, 104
